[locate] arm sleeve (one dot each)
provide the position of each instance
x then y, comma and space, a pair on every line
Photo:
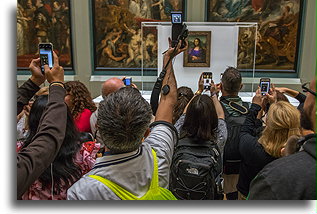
179, 123
38, 155
260, 189
24, 93
251, 122
222, 135
163, 139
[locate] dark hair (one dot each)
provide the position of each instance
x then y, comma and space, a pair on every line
64, 168
123, 118
201, 120
231, 80
81, 97
184, 95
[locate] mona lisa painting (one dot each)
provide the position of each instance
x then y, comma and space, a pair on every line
198, 53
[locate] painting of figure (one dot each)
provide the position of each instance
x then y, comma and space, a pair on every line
43, 21
117, 32
278, 31
198, 53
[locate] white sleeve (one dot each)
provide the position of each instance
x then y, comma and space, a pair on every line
163, 139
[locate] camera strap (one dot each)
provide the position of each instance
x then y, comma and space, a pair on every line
235, 106
154, 101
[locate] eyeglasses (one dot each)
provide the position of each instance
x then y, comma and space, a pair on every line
306, 89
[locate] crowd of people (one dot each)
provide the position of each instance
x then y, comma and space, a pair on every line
196, 145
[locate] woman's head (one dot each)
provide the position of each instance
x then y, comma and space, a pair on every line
283, 121
201, 120
184, 95
78, 98
197, 42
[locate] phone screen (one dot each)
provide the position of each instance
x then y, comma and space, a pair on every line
46, 57
207, 77
176, 18
265, 87
127, 81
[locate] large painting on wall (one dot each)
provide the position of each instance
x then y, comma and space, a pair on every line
117, 32
278, 31
43, 21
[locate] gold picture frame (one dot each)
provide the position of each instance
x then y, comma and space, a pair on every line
198, 52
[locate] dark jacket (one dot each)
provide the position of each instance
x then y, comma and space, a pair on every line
40, 153
288, 178
254, 157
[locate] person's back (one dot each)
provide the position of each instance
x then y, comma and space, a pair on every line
129, 160
288, 178
197, 160
231, 83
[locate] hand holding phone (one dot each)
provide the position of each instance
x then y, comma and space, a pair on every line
46, 55
127, 81
265, 85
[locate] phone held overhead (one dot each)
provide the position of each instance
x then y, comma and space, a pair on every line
265, 84
46, 55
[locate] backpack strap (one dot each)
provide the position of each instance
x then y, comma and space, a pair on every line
122, 193
242, 109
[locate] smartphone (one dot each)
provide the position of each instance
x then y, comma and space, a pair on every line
265, 84
127, 81
46, 55
207, 77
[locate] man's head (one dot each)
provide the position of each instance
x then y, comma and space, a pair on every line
310, 105
231, 82
111, 85
123, 118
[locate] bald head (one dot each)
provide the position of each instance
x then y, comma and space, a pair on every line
111, 85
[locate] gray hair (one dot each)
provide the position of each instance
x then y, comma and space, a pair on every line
123, 118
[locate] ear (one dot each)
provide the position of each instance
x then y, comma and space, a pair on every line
283, 152
147, 132
241, 86
220, 86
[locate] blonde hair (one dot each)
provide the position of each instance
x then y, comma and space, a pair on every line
283, 121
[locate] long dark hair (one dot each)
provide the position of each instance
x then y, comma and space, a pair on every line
64, 168
201, 120
184, 95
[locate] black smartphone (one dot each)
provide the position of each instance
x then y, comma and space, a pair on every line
265, 84
207, 77
179, 29
46, 55
127, 81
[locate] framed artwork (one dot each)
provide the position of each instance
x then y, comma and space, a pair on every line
278, 36
117, 35
198, 53
43, 21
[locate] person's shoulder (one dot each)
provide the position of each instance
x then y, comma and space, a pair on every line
286, 166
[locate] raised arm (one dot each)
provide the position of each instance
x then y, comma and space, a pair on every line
40, 153
167, 102
30, 87
250, 124
214, 90
293, 93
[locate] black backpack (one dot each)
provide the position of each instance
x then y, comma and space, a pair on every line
196, 171
232, 157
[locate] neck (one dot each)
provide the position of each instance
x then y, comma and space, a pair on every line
225, 94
